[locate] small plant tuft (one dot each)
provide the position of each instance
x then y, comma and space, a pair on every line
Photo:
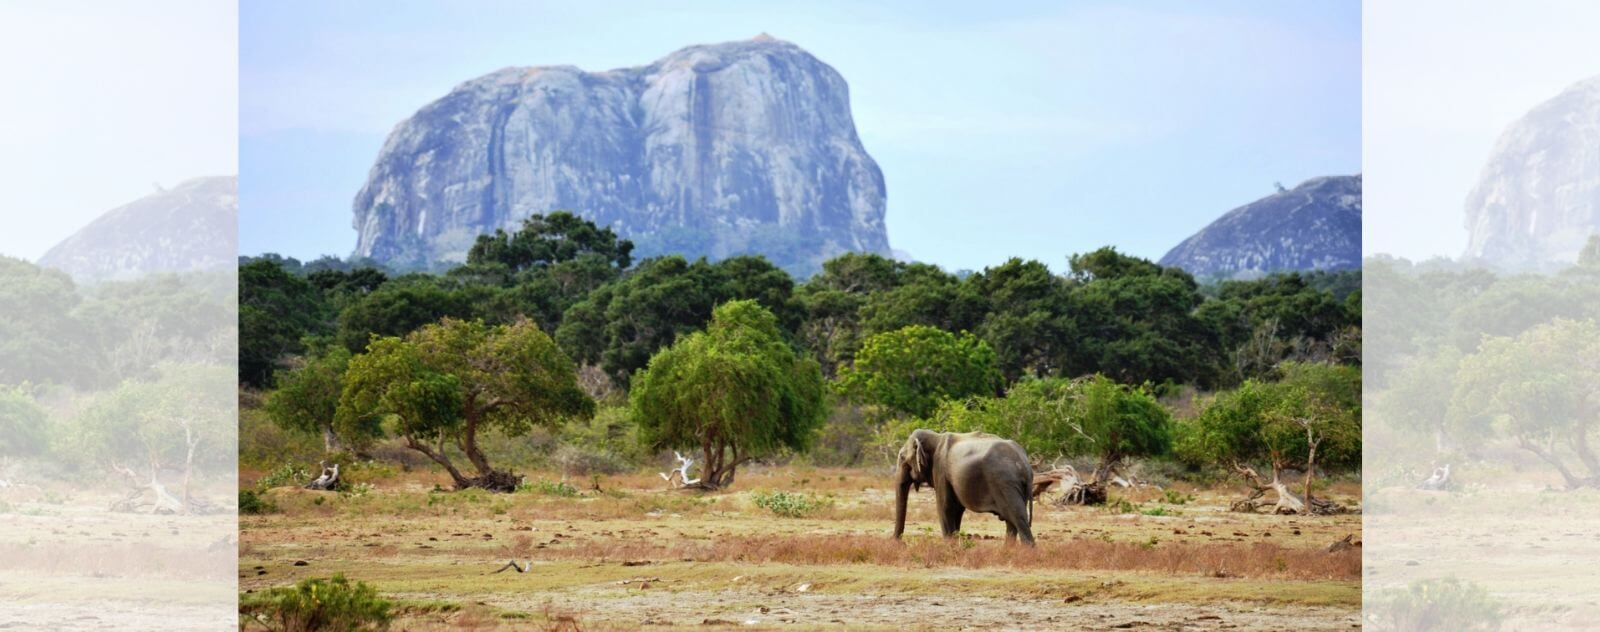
560, 489
790, 504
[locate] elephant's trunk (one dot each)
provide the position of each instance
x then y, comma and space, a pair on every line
902, 493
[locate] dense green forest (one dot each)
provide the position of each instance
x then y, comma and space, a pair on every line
737, 360
120, 381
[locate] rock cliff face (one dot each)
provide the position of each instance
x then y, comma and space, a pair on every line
193, 226
1314, 226
1538, 199
742, 147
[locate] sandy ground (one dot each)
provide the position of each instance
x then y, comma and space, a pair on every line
72, 565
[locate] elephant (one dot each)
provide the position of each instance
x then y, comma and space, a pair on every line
967, 471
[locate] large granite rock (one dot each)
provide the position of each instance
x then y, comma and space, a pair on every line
1314, 226
735, 148
193, 226
1538, 199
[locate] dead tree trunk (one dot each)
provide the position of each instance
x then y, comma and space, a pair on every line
1285, 503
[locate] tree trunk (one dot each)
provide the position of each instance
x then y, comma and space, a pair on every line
330, 441
438, 456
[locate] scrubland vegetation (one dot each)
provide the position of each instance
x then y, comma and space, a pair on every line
526, 405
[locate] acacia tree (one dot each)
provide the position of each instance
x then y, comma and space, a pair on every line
1541, 388
1313, 412
737, 391
445, 383
913, 369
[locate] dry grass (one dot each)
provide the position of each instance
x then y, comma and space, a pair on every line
1256, 560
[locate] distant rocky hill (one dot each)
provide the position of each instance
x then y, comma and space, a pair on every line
193, 226
1538, 199
1314, 226
716, 150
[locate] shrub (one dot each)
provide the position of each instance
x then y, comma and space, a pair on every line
1175, 497
286, 475
788, 504
320, 604
253, 503
1437, 604
550, 488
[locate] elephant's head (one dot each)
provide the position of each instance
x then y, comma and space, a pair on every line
915, 470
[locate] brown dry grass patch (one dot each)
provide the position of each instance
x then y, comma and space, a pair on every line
1252, 560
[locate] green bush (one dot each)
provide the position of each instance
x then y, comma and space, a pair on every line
1175, 497
550, 488
790, 505
337, 604
254, 503
286, 475
1437, 604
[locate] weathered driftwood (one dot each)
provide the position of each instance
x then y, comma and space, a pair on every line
679, 477
1439, 481
514, 566
328, 481
153, 497
1286, 502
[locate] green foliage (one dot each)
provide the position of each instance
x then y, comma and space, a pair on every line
1538, 386
157, 422
254, 503
399, 307
307, 400
451, 380
41, 338
1437, 604
551, 239
276, 310
789, 504
560, 489
287, 474
607, 443
736, 391
1052, 418
316, 605
621, 325
1269, 421
23, 425
912, 370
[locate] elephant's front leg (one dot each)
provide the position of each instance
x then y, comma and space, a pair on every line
950, 512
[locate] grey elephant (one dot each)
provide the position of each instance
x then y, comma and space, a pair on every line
970, 471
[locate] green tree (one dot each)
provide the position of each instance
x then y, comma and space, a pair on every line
1311, 416
1029, 321
913, 369
550, 239
399, 307
276, 311
621, 325
445, 383
1540, 387
737, 391
23, 423
307, 400
41, 338
185, 419
1055, 417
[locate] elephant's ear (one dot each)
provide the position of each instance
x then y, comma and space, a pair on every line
919, 459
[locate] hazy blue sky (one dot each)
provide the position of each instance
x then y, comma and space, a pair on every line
1003, 129
1443, 79
104, 101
